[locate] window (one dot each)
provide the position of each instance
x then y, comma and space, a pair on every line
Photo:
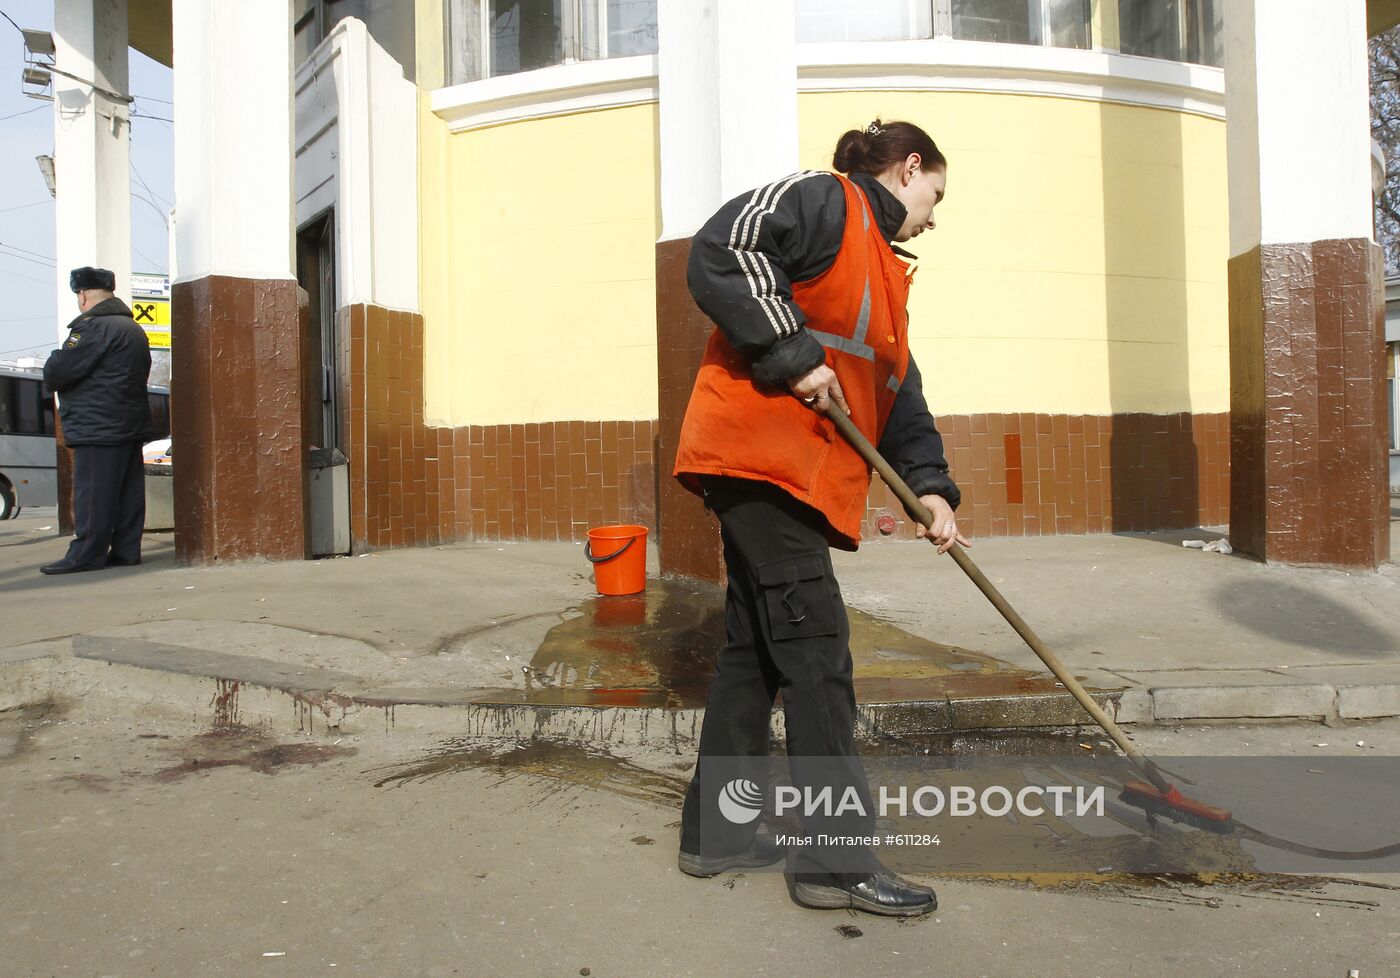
1010, 21
1060, 23
488, 38
1177, 30
23, 408
390, 23
1392, 353
160, 414
871, 20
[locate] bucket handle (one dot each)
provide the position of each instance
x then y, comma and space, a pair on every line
588, 552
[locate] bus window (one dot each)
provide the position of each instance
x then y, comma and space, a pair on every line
30, 420
160, 415
22, 409
8, 409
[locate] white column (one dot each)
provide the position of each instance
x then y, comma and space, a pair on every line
92, 144
234, 121
728, 93
1297, 122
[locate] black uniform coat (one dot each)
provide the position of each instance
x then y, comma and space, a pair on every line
100, 376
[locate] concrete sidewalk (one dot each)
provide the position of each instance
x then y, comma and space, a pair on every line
508, 638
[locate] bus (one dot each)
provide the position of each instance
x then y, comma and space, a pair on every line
28, 456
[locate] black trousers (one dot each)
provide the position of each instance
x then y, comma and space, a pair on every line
786, 630
109, 504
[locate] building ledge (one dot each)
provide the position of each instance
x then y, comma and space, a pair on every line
940, 64
944, 64
583, 86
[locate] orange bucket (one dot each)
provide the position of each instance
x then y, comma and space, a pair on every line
619, 558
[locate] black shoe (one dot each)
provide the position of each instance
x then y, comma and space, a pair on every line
64, 567
881, 893
118, 562
760, 852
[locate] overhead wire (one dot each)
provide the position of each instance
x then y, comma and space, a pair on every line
36, 254
32, 261
16, 115
7, 271
147, 186
20, 207
24, 349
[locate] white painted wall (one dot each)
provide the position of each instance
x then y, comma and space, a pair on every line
92, 145
727, 77
1298, 122
357, 151
233, 138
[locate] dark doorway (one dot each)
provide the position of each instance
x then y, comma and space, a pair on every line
316, 274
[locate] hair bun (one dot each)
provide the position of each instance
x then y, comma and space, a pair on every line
880, 145
852, 151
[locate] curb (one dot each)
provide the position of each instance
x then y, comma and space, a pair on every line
219, 690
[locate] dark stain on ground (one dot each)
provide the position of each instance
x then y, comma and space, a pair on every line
849, 931
225, 702
241, 747
86, 781
658, 649
1231, 879
642, 840
1211, 891
567, 764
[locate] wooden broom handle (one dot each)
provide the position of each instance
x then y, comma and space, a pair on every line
914, 505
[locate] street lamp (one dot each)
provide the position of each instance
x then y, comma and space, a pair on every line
46, 168
39, 56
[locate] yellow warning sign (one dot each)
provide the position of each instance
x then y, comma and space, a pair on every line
151, 313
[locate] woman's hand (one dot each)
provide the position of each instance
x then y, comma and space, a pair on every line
818, 388
945, 525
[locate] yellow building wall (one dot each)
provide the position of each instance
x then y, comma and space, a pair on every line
538, 268
1078, 264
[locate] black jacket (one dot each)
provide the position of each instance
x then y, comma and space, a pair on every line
799, 232
100, 376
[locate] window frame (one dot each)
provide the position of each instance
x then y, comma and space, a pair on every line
575, 31
943, 25
1187, 13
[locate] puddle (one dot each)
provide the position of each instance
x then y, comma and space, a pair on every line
241, 747
658, 648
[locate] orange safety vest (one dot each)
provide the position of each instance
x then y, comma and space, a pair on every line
734, 427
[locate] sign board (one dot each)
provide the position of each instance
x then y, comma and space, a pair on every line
150, 286
150, 307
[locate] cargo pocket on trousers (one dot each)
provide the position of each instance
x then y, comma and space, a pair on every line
798, 597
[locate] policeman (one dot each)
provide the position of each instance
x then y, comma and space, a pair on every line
100, 375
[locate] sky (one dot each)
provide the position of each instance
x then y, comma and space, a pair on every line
29, 322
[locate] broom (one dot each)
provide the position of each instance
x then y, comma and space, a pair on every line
1156, 796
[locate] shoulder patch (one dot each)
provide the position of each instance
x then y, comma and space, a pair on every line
72, 340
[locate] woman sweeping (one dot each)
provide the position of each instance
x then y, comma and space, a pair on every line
809, 297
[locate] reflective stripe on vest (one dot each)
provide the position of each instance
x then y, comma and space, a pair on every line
856, 310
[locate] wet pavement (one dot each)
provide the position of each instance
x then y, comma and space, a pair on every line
508, 637
151, 847
657, 649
